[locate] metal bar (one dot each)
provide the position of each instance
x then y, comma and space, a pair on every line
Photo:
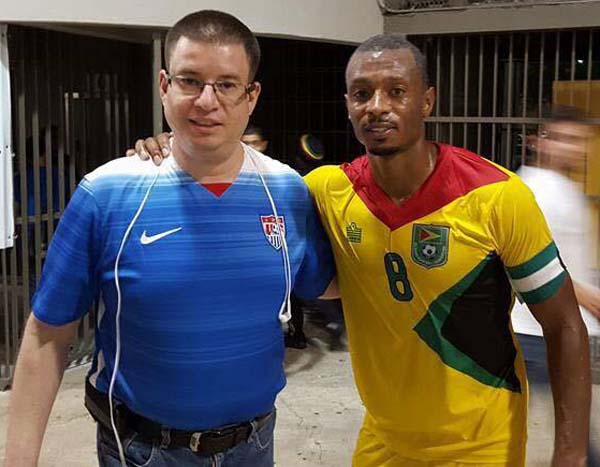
508, 150
35, 136
84, 99
126, 115
466, 91
480, 93
157, 118
495, 96
557, 56
107, 112
492, 120
48, 145
79, 122
524, 101
63, 123
71, 119
451, 129
437, 85
573, 51
117, 116
541, 80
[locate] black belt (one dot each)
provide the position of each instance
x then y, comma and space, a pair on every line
202, 442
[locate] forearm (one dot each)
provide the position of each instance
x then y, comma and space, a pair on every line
332, 292
569, 368
38, 374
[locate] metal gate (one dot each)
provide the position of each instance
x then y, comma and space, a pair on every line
71, 113
494, 89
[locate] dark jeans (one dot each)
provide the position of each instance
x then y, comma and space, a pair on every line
534, 352
256, 452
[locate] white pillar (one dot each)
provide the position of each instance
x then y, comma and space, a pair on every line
7, 223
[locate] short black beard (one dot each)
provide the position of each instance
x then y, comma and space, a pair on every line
384, 152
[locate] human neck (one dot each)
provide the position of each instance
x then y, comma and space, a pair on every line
403, 173
221, 166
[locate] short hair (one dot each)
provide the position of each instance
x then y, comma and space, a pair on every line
394, 42
254, 130
567, 113
214, 27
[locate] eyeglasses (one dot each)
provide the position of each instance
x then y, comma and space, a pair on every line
228, 92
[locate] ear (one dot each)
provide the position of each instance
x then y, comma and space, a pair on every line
428, 102
253, 96
163, 85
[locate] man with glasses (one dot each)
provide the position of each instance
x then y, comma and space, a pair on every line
194, 261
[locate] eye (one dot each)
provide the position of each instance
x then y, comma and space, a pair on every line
226, 86
360, 95
397, 92
189, 82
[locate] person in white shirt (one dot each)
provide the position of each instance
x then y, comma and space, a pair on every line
560, 155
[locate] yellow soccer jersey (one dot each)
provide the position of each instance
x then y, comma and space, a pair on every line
426, 290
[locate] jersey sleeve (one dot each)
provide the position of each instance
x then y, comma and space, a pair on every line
68, 285
317, 269
317, 185
525, 245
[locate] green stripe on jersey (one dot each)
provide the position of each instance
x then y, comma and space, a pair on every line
534, 264
545, 291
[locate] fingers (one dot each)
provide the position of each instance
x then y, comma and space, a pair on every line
140, 150
155, 148
164, 142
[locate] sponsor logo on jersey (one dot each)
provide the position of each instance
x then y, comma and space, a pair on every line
353, 233
430, 245
271, 229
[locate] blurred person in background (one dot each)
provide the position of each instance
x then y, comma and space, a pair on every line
254, 137
553, 174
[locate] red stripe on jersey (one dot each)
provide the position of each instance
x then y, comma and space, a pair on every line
457, 172
216, 189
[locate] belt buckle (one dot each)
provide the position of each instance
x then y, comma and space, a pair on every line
195, 441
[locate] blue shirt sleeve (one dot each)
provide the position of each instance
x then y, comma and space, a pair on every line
69, 285
318, 267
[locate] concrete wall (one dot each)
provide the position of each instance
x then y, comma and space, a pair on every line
335, 20
497, 19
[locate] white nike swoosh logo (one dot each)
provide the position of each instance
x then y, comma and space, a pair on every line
146, 240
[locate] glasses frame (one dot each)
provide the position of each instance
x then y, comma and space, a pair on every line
247, 89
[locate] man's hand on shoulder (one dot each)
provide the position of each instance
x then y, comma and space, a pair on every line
156, 147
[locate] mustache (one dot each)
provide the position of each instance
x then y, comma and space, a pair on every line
380, 121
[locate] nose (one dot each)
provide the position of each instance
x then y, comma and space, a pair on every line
379, 103
207, 100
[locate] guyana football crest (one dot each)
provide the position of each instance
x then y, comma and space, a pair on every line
430, 245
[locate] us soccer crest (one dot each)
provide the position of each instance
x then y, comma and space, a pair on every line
430, 245
271, 229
